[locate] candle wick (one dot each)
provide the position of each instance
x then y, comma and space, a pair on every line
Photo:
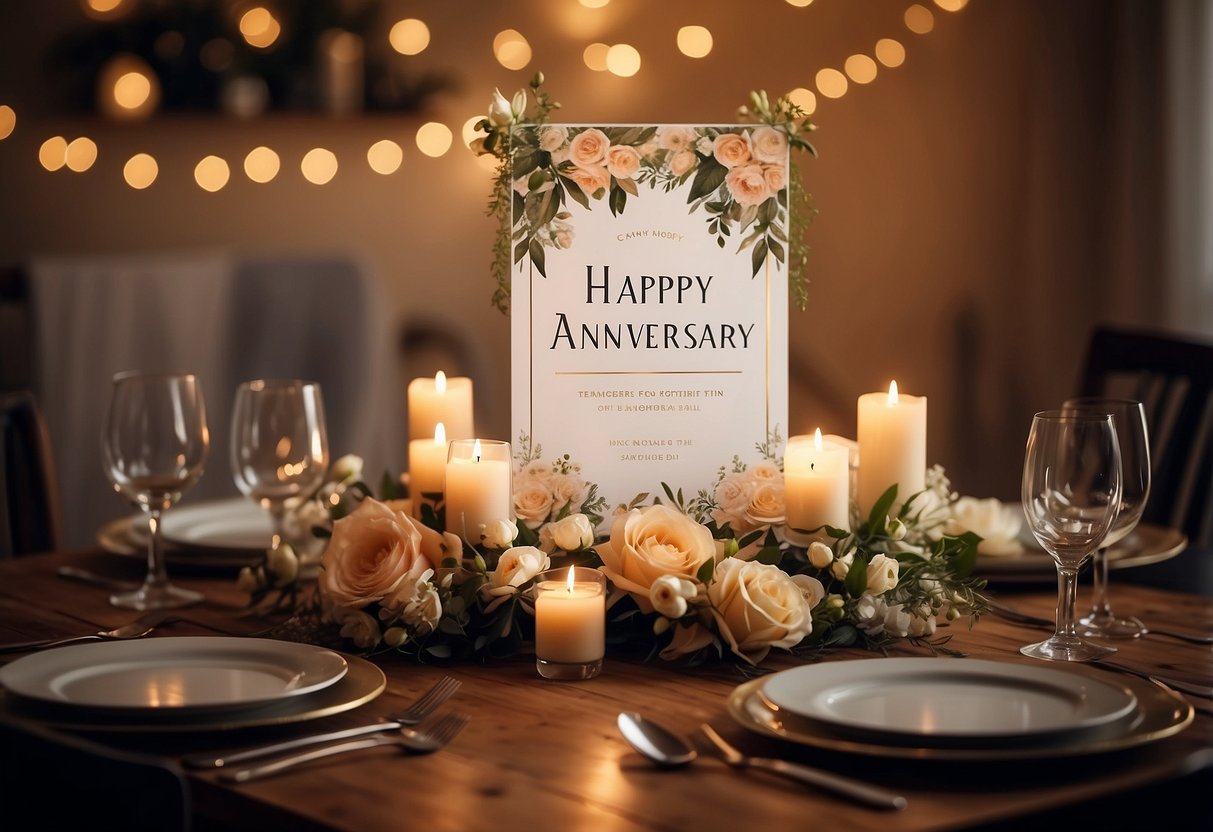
812, 466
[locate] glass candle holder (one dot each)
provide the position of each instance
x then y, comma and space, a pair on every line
570, 623
477, 486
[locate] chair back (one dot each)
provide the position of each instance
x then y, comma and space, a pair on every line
1173, 379
29, 506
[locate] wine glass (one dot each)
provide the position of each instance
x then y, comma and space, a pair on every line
279, 446
154, 443
1129, 417
1071, 492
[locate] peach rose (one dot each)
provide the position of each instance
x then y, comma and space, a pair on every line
647, 543
766, 505
776, 176
757, 607
748, 185
374, 550
593, 180
768, 144
589, 147
623, 162
675, 138
533, 503
731, 149
571, 533
552, 137
682, 162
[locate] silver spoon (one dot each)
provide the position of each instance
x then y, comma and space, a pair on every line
669, 750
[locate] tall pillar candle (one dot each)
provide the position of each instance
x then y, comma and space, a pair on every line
427, 469
440, 399
892, 447
816, 483
477, 486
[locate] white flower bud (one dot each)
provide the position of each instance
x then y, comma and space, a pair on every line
820, 555
896, 529
395, 636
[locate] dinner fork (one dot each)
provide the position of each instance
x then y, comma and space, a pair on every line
140, 627
425, 705
854, 789
424, 740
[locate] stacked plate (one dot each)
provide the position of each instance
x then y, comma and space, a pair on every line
962, 709
186, 684
213, 535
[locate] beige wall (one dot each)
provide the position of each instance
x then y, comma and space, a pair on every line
946, 189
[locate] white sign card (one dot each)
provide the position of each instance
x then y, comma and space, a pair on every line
649, 300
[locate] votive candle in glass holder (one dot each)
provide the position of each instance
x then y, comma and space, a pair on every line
477, 486
570, 623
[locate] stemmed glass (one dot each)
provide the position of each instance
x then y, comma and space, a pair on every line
1071, 492
279, 446
154, 444
1129, 417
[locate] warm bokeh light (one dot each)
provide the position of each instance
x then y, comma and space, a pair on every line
890, 52
80, 154
132, 89
8, 121
623, 60
595, 56
951, 5
211, 174
259, 27
593, 4
409, 36
919, 19
385, 157
694, 41
434, 138
831, 83
511, 49
127, 87
261, 165
319, 166
469, 132
103, 8
800, 4
53, 153
804, 99
140, 171
861, 69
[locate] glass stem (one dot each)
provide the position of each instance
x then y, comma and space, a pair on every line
157, 575
1067, 586
278, 518
1100, 608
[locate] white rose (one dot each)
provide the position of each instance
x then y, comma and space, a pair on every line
820, 555
810, 588
500, 113
998, 525
869, 614
346, 469
572, 533
704, 146
424, 611
515, 567
920, 627
646, 543
882, 574
551, 137
757, 606
675, 138
768, 144
499, 534
897, 621
357, 626
842, 566
568, 490
669, 595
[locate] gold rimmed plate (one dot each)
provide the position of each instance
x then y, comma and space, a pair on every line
1146, 544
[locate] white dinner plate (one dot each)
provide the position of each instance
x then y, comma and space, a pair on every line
947, 700
182, 675
235, 523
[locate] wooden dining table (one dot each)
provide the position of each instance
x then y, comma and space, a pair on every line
547, 755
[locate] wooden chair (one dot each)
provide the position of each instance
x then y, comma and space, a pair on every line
1173, 378
52, 780
29, 506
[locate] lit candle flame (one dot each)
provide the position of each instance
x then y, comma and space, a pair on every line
476, 450
893, 392
817, 439
440, 434
440, 382
570, 583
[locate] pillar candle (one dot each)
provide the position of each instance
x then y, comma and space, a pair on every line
816, 483
477, 486
570, 619
892, 447
427, 468
440, 399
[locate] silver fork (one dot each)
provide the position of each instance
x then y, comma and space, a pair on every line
140, 627
425, 705
854, 789
423, 740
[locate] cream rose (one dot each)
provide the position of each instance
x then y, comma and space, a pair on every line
372, 551
757, 607
675, 138
820, 555
572, 533
499, 534
996, 524
647, 543
766, 505
623, 162
568, 490
515, 567
552, 137
533, 502
562, 236
589, 148
731, 149
810, 588
592, 180
769, 145
748, 185
882, 574
841, 566
358, 627
682, 162
669, 595
776, 176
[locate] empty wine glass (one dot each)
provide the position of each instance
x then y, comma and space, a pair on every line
279, 446
1129, 417
1071, 491
154, 444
